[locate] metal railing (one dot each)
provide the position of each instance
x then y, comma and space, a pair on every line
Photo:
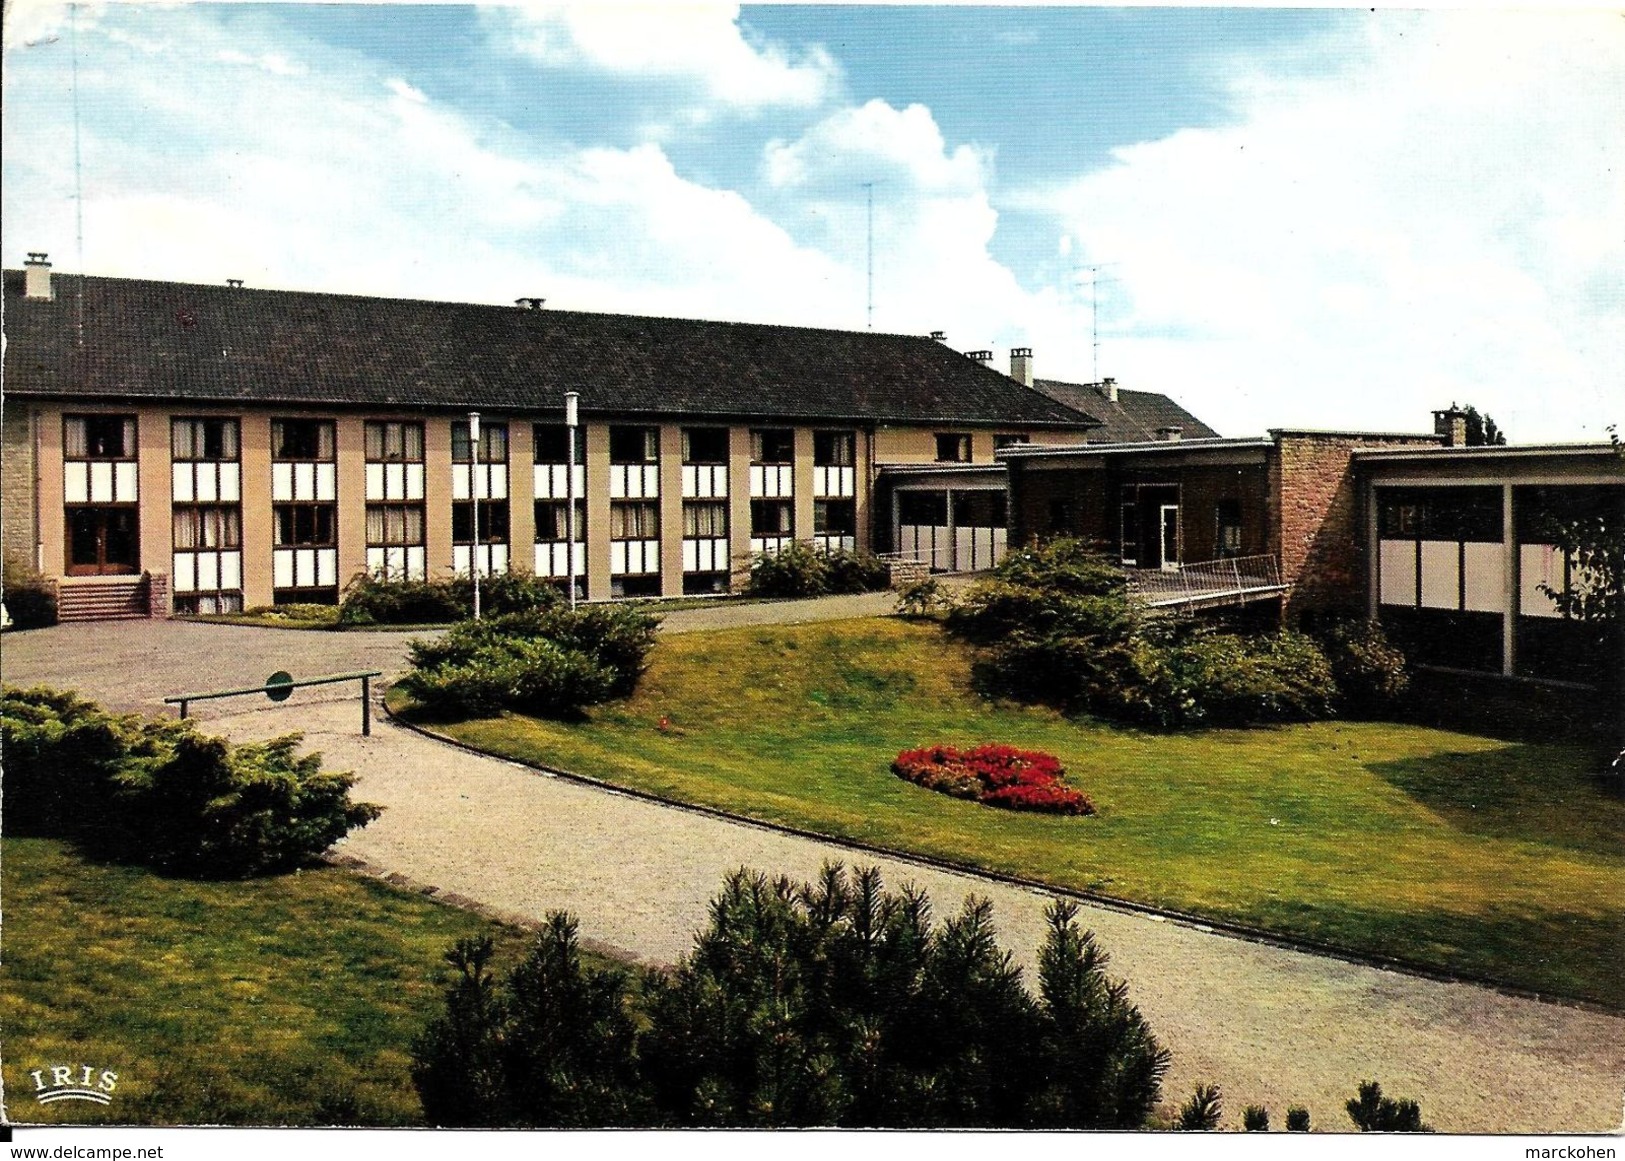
1233, 578
279, 685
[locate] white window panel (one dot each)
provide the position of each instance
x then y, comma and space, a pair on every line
394, 481
304, 567
208, 483
761, 544
185, 572
1441, 574
414, 481
834, 482
417, 562
459, 559
377, 561
1396, 572
771, 481
282, 568
835, 543
460, 474
76, 482
101, 483
617, 557
281, 484
691, 555
1483, 588
181, 489
208, 570
375, 482
125, 483
1539, 564
705, 481
231, 570
326, 481
553, 481
499, 481
327, 566
304, 481
1001, 543
231, 486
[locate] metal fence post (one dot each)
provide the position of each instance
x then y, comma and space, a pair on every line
366, 707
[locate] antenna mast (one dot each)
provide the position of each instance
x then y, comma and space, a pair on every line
869, 191
78, 172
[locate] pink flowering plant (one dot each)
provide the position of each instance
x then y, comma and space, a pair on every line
995, 775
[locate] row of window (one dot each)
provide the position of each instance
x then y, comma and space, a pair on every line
112, 437
209, 527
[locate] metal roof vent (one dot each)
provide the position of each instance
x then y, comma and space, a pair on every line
235, 283
940, 336
530, 303
980, 356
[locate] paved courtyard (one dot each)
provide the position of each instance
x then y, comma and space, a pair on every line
1269, 1025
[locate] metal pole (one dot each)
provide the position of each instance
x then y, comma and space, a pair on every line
474, 494
366, 707
572, 420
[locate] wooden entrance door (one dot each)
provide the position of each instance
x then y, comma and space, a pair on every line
103, 542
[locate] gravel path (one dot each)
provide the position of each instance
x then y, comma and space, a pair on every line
1271, 1026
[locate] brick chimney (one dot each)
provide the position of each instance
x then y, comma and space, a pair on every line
983, 357
1170, 433
1108, 388
1021, 365
37, 277
1452, 424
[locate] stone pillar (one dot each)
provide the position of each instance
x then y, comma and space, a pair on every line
671, 510
803, 469
597, 439
254, 436
521, 496
739, 506
350, 487
437, 554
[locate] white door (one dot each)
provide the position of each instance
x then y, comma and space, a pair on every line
1170, 537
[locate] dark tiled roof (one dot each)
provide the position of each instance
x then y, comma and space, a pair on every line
166, 340
1135, 416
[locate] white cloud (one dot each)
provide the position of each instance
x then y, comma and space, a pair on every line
701, 44
1443, 220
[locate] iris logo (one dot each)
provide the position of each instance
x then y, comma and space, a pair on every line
74, 1083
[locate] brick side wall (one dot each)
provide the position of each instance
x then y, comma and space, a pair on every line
1316, 519
17, 487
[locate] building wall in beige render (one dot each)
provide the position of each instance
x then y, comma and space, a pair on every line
34, 500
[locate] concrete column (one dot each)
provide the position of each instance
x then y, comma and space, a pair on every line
803, 469
597, 438
863, 473
739, 505
350, 474
254, 443
671, 510
53, 533
153, 485
1509, 584
521, 496
437, 544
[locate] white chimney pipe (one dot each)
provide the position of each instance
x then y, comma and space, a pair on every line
1108, 388
1021, 365
37, 277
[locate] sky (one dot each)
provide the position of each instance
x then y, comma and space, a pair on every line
1330, 218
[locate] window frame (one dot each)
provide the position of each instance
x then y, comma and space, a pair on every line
962, 444
316, 428
204, 424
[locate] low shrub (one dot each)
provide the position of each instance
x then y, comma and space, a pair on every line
154, 791
1234, 680
1202, 1112
996, 776
376, 600
796, 570
1372, 1112
925, 599
855, 572
30, 599
829, 1003
1297, 1119
551, 661
1255, 1119
304, 615
800, 570
1369, 669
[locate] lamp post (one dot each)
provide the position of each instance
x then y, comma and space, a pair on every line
572, 421
474, 494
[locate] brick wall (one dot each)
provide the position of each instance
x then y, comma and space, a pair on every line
1316, 518
17, 486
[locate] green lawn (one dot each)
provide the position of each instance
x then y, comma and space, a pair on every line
1459, 852
287, 1000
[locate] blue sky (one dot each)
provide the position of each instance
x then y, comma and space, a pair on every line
1294, 217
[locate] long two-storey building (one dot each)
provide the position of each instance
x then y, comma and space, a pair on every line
176, 447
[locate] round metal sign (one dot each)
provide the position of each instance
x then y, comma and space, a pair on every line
279, 686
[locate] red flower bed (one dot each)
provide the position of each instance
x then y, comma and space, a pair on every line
996, 775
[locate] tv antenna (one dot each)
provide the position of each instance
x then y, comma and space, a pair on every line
1095, 282
869, 195
78, 170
